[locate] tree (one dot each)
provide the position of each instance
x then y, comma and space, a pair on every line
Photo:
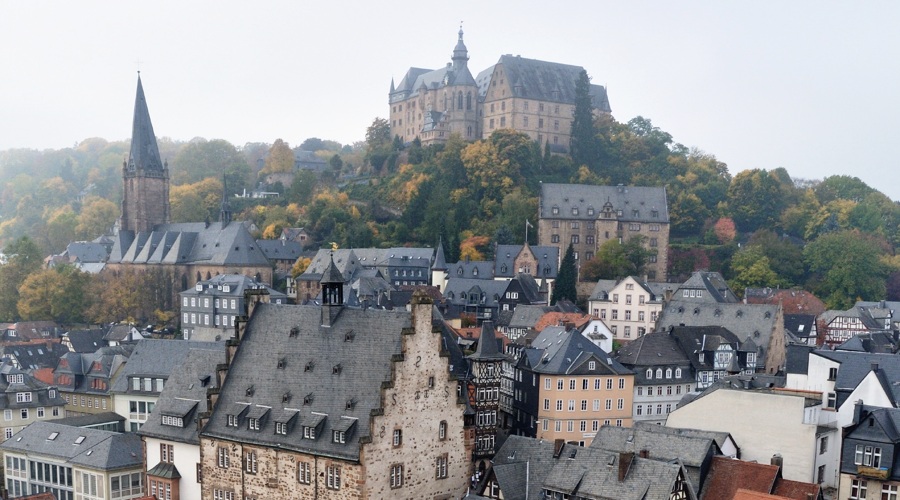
97, 216
584, 137
24, 258
279, 160
59, 294
565, 287
750, 269
756, 200
378, 143
200, 159
846, 266
725, 230
335, 163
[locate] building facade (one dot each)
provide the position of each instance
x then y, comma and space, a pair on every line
25, 400
329, 401
588, 216
210, 308
629, 307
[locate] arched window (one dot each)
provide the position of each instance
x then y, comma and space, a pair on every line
459, 100
668, 373
678, 373
659, 373
468, 101
649, 373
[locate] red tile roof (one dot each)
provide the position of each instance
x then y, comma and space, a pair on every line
727, 475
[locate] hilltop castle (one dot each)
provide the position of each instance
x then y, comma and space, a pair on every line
530, 96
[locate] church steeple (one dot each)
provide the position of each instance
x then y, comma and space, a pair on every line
460, 52
145, 200
144, 153
225, 212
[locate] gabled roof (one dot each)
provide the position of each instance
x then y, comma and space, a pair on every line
568, 351
855, 366
280, 249
286, 360
37, 355
78, 446
237, 285
526, 316
492, 290
711, 283
727, 475
86, 252
184, 396
637, 203
86, 340
157, 358
658, 441
652, 350
548, 81
474, 269
547, 258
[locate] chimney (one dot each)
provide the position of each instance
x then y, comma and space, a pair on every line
625, 460
777, 460
644, 454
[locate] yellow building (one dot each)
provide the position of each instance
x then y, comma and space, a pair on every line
569, 387
526, 95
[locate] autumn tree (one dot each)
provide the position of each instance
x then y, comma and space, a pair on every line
23, 258
97, 216
280, 159
750, 269
724, 230
59, 294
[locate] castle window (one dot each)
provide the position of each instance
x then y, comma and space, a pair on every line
442, 430
398, 437
333, 477
338, 436
502, 121
250, 462
396, 475
459, 100
304, 473
468, 101
223, 457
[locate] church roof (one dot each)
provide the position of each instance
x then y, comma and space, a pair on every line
144, 153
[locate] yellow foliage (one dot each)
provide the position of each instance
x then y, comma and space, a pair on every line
354, 212
300, 266
469, 247
892, 261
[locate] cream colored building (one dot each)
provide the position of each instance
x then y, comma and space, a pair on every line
629, 306
588, 216
526, 95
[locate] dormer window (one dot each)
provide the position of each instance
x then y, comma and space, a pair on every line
226, 288
555, 210
309, 432
199, 287
338, 436
649, 373
23, 397
308, 367
232, 421
336, 369
574, 210
308, 399
253, 424
172, 421
281, 428
16, 378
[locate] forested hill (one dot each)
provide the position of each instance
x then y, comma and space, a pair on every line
835, 236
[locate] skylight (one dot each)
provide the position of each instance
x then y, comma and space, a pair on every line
79, 440
52, 436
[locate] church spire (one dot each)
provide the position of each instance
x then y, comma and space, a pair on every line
460, 52
144, 153
225, 213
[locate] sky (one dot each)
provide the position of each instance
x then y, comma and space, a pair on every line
811, 86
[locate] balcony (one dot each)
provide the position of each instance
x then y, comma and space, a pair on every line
873, 472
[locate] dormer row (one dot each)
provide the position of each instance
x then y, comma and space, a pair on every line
286, 421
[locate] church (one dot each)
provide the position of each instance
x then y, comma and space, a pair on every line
186, 253
527, 95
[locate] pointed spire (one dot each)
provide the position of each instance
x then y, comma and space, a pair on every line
487, 349
225, 213
144, 153
392, 85
460, 52
440, 262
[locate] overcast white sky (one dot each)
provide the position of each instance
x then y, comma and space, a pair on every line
812, 86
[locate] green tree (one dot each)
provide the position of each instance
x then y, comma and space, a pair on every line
843, 187
96, 218
756, 200
379, 147
846, 266
24, 258
584, 138
58, 294
750, 269
200, 159
565, 287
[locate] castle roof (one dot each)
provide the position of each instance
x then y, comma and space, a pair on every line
581, 201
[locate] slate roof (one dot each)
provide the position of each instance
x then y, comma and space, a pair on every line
656, 289
122, 333
92, 419
280, 249
526, 316
800, 325
184, 396
696, 339
214, 244
863, 314
157, 358
565, 351
711, 283
237, 284
37, 355
39, 390
755, 322
876, 426
653, 350
548, 81
547, 258
493, 290
797, 358
100, 364
625, 198
86, 340
855, 366
99, 450
354, 390
719, 437
86, 252
875, 342
509, 466
144, 153
474, 269
489, 348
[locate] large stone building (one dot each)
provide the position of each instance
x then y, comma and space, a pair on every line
526, 95
329, 401
589, 216
184, 253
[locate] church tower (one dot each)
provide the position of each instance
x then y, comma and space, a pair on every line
145, 201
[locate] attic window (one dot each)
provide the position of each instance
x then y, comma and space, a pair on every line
52, 436
286, 397
696, 311
336, 370
768, 314
308, 367
79, 440
348, 337
226, 288
281, 362
350, 404
740, 313
250, 391
294, 332
308, 399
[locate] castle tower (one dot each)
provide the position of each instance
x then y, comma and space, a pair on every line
145, 201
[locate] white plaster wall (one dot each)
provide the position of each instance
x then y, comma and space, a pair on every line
187, 456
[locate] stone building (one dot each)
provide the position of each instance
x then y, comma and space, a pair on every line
180, 253
209, 309
530, 96
25, 400
329, 401
589, 216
